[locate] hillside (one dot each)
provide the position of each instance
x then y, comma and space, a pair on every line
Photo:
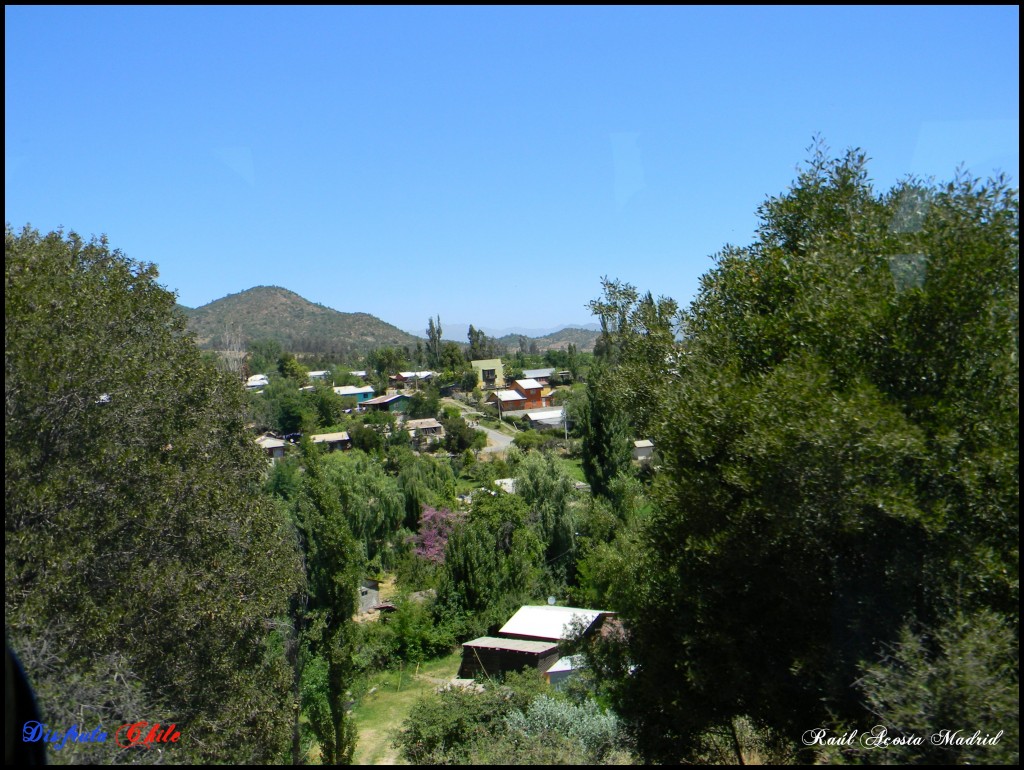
583, 339
301, 326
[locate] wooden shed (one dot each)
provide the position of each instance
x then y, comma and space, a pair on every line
490, 656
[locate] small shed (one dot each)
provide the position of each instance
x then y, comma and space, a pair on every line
643, 450
369, 594
490, 656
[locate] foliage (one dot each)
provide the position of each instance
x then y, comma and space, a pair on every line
595, 733
840, 452
549, 493
433, 346
266, 313
442, 728
481, 346
492, 563
607, 439
435, 527
370, 500
963, 676
334, 564
137, 539
424, 403
458, 436
424, 481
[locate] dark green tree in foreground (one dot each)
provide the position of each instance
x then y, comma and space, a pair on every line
840, 467
138, 547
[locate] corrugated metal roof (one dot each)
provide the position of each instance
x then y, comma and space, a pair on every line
547, 622
516, 645
643, 443
544, 415
507, 395
533, 373
269, 442
352, 390
528, 384
321, 438
426, 422
383, 399
568, 663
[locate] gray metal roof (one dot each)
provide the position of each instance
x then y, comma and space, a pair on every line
516, 645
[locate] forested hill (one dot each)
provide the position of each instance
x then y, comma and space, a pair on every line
583, 339
301, 326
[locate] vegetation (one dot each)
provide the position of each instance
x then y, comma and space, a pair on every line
840, 472
828, 537
138, 546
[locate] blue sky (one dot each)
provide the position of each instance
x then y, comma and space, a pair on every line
487, 165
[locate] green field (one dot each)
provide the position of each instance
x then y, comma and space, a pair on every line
379, 715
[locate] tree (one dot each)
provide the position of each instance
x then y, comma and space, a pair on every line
434, 343
607, 442
840, 454
137, 540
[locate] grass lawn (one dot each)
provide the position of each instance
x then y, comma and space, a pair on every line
378, 716
572, 468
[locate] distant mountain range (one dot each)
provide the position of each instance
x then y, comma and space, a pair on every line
301, 326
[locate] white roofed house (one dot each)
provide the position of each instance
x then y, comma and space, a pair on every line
530, 639
333, 441
545, 621
426, 431
543, 376
507, 400
360, 394
273, 446
319, 375
257, 381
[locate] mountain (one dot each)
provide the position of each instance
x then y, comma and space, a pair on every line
301, 326
583, 339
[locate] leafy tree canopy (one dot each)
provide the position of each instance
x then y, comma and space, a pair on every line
137, 541
840, 454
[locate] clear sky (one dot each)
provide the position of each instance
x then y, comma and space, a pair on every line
486, 164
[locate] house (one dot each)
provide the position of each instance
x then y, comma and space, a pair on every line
507, 400
546, 418
369, 594
563, 669
550, 623
361, 374
490, 373
411, 378
257, 381
351, 391
643, 451
543, 376
333, 440
506, 485
426, 431
491, 656
272, 445
397, 402
529, 639
322, 374
532, 391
